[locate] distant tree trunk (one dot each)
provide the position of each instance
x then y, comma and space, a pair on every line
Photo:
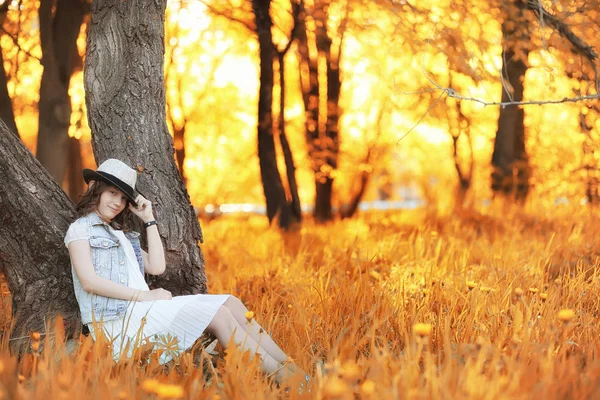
277, 205
75, 165
58, 34
321, 136
6, 109
589, 145
290, 166
365, 173
510, 175
330, 140
459, 125
125, 98
35, 214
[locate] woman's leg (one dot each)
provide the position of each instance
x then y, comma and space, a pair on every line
238, 310
224, 325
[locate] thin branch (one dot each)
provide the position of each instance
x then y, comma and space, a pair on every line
18, 45
229, 17
452, 93
588, 51
422, 117
296, 7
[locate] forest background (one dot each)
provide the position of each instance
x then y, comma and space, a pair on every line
412, 88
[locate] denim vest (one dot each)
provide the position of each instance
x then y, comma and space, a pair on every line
109, 260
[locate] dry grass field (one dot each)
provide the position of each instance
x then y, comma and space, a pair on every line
502, 305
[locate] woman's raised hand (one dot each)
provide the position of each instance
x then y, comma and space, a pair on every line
143, 209
155, 294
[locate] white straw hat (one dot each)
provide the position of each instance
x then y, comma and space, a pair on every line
116, 173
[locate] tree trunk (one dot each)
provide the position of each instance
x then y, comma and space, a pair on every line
290, 166
322, 136
34, 216
459, 126
592, 184
58, 34
277, 205
309, 79
6, 109
75, 166
510, 176
329, 141
125, 98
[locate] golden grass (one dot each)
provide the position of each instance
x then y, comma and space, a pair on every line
403, 305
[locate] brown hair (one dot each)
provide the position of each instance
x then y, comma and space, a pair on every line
90, 201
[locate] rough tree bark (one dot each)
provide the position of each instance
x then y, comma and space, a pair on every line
6, 109
125, 98
58, 34
510, 164
34, 216
277, 205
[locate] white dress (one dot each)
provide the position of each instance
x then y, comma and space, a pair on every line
172, 325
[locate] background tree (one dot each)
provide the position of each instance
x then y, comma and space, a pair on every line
510, 174
60, 23
316, 42
6, 108
125, 98
277, 203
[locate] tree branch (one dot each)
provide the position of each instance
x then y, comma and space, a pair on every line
220, 13
452, 93
296, 7
18, 45
588, 51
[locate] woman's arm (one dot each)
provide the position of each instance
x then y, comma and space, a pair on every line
81, 258
154, 260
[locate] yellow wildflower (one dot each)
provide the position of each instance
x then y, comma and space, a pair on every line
471, 285
543, 296
422, 329
249, 315
150, 385
533, 290
368, 387
566, 314
519, 292
167, 391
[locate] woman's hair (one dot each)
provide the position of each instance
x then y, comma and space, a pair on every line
90, 201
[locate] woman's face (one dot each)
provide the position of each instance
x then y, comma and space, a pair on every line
112, 202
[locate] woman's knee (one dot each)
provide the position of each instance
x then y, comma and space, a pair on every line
222, 320
234, 303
